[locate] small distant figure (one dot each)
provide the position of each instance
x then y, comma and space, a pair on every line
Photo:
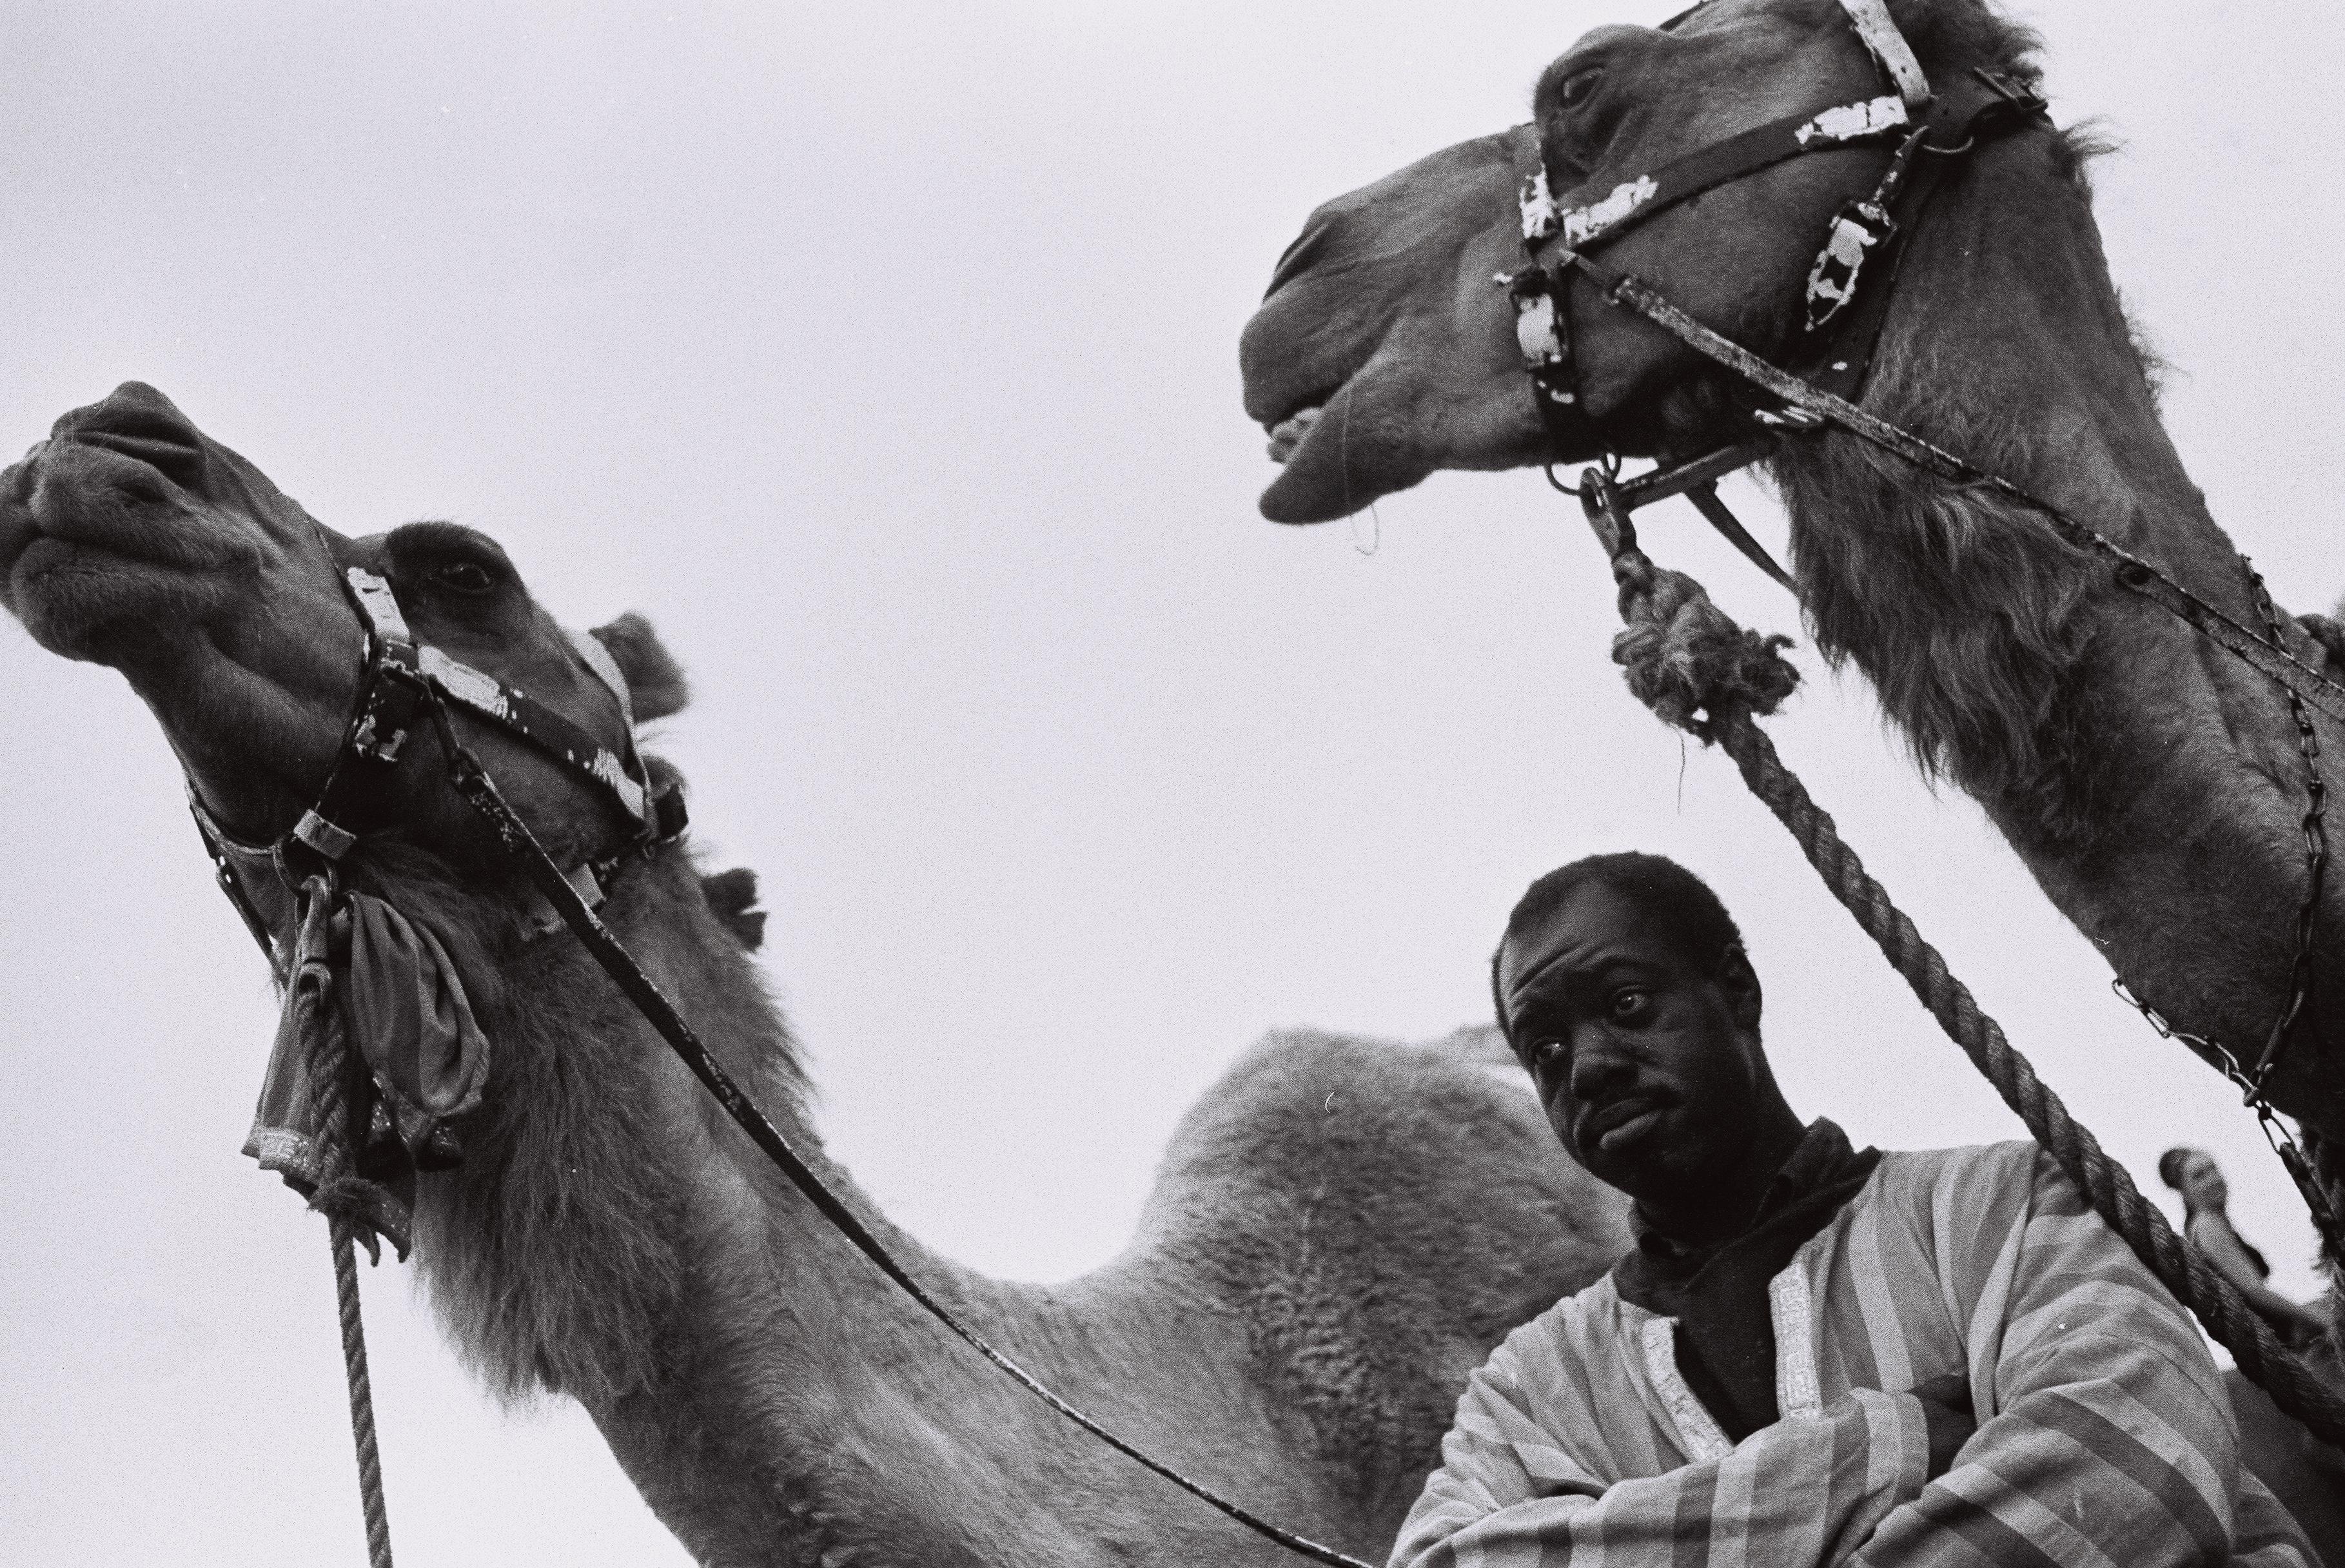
2205, 1199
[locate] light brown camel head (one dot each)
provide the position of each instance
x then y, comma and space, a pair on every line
1385, 348
131, 539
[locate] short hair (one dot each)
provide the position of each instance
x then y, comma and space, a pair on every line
1684, 911
2170, 1163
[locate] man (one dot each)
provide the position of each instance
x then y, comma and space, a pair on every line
1812, 1355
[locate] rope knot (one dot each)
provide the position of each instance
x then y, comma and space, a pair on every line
1685, 658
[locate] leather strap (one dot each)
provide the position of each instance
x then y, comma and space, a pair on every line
2133, 573
1889, 49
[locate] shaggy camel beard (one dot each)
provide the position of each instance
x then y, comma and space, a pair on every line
611, 1238
2150, 783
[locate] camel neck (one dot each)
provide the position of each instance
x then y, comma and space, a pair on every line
2006, 345
2152, 783
613, 1237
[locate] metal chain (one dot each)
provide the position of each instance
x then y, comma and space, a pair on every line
2253, 1080
2275, 1131
2316, 848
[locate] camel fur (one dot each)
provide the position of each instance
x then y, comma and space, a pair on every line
1340, 1230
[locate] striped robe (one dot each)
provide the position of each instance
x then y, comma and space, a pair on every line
2104, 1438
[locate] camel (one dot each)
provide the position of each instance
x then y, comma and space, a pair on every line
1339, 1233
2150, 781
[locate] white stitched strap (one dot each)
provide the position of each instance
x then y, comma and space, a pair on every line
1579, 225
481, 693
1793, 1314
1871, 18
1846, 122
598, 659
1696, 1429
382, 608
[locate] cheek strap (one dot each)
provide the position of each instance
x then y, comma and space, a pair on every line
597, 658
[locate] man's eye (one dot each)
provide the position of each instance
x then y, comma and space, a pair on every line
466, 577
1547, 1053
1629, 1005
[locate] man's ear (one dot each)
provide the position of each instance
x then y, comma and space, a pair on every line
1739, 981
654, 685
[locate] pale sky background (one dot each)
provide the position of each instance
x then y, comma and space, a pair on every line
887, 359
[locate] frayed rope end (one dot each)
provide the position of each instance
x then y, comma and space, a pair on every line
1687, 661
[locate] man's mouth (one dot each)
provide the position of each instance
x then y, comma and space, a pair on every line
1616, 1123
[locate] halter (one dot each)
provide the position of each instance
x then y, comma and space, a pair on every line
1848, 286
403, 681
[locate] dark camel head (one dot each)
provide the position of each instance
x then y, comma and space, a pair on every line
1385, 350
131, 539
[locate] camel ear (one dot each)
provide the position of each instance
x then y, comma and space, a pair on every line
2329, 631
654, 683
730, 893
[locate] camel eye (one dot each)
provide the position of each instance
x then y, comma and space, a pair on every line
469, 578
1580, 86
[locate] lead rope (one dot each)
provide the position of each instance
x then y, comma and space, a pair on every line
309, 998
1689, 661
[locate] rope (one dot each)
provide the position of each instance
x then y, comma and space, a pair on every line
1688, 660
335, 1196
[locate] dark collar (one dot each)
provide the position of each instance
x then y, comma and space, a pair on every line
1823, 1171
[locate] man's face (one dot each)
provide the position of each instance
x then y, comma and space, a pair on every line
1646, 1074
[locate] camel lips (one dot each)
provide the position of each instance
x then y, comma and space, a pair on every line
1288, 433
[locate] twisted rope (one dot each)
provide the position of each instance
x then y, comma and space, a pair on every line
337, 1195
1689, 661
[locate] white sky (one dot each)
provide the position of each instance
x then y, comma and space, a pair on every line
888, 361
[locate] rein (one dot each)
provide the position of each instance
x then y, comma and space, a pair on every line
405, 683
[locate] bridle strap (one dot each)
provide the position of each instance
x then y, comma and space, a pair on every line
405, 662
401, 681
2272, 658
1882, 40
1849, 285
1635, 201
479, 791
1889, 49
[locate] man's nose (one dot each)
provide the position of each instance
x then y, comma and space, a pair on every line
1597, 1065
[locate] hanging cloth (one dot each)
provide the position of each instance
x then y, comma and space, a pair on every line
362, 968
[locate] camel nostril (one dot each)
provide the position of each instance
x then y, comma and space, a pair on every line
141, 423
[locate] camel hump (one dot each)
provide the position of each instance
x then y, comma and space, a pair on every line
1379, 1215
1479, 1043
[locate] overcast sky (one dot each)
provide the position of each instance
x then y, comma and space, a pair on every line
887, 359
